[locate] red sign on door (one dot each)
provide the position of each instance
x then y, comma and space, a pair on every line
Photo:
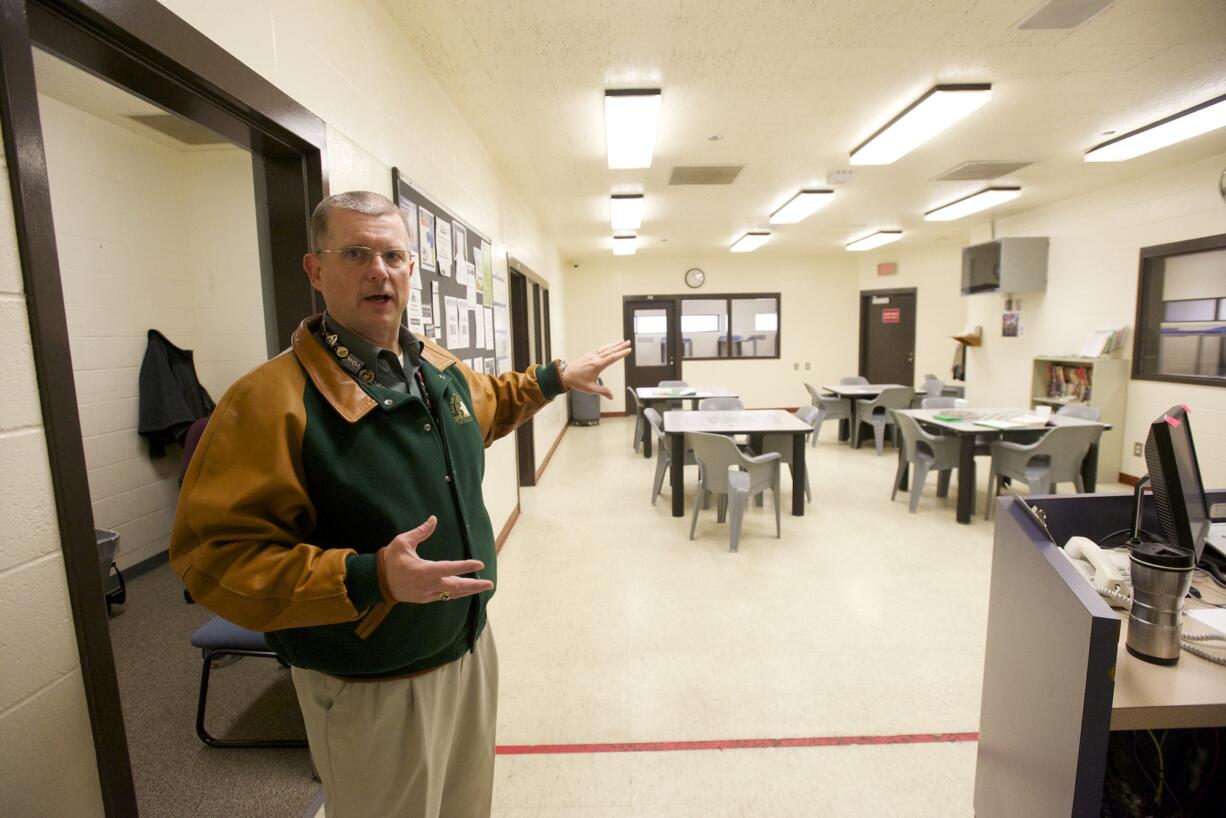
892, 315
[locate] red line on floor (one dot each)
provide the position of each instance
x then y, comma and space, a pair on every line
732, 744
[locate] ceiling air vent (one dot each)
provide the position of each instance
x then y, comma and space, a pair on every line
980, 171
710, 175
1062, 14
179, 128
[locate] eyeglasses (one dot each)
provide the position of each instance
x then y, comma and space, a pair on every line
358, 257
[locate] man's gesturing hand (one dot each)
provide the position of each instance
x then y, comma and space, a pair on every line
581, 373
414, 579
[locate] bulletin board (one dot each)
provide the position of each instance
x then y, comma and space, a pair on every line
458, 295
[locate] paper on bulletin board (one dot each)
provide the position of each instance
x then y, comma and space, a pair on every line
487, 267
415, 311
470, 296
478, 366
425, 220
453, 324
479, 324
410, 219
462, 317
460, 236
489, 366
487, 314
442, 230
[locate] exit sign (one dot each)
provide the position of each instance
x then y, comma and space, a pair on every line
893, 315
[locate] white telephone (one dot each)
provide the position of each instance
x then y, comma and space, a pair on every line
1106, 571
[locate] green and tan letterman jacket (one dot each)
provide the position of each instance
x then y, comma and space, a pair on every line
303, 473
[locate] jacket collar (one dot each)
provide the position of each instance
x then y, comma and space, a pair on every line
340, 390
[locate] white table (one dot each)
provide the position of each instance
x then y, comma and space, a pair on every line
649, 395
744, 422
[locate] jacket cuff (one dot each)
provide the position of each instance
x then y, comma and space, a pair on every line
362, 580
549, 380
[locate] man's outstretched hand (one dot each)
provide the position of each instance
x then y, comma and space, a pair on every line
415, 579
581, 373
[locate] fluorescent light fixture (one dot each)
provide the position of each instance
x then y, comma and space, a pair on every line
874, 240
627, 211
801, 206
625, 245
1195, 121
630, 120
923, 119
750, 241
982, 200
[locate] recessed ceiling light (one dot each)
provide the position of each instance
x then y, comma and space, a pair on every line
874, 240
1199, 119
981, 200
750, 241
626, 211
631, 117
922, 120
801, 206
625, 245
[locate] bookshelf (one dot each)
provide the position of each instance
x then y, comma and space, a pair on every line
1060, 380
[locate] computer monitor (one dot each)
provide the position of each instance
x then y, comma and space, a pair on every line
1174, 473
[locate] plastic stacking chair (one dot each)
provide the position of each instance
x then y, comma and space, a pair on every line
733, 477
1054, 458
721, 405
1079, 410
877, 413
828, 408
932, 388
938, 403
854, 379
781, 444
664, 452
925, 452
672, 385
633, 405
219, 638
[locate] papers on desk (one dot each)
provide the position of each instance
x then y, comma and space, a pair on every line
1002, 424
1213, 617
675, 391
955, 415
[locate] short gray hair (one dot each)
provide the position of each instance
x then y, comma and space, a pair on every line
363, 201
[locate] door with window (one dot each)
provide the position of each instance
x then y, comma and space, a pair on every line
652, 329
887, 336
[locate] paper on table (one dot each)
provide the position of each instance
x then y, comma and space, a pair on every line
1213, 617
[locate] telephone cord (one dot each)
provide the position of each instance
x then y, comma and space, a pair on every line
1111, 593
1189, 638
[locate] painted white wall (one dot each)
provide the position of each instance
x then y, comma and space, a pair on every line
150, 238
1092, 283
47, 764
817, 318
385, 109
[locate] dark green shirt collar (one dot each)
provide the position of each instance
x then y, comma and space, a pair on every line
391, 370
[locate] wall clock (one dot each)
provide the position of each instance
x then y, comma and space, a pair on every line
1221, 185
695, 277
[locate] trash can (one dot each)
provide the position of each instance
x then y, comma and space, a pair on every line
584, 408
112, 580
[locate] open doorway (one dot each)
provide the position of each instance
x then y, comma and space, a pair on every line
142, 47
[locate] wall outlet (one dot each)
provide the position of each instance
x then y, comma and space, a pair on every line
1136, 449
807, 365
796, 366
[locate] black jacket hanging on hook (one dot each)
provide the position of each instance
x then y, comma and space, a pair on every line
171, 397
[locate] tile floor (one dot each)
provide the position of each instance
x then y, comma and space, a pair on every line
614, 628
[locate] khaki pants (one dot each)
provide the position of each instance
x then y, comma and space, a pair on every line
420, 747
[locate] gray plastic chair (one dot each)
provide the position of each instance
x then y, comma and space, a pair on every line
664, 452
633, 405
781, 444
877, 413
938, 403
1079, 410
721, 405
932, 388
925, 452
854, 379
828, 408
671, 385
734, 477
1054, 458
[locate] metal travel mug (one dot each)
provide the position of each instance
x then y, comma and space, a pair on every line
1161, 575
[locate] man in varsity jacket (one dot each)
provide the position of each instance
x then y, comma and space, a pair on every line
334, 502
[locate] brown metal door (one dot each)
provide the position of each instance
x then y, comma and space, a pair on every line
653, 330
887, 336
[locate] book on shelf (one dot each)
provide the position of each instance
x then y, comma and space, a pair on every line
1069, 382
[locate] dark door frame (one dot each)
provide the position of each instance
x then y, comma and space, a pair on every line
525, 440
671, 305
142, 46
865, 299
